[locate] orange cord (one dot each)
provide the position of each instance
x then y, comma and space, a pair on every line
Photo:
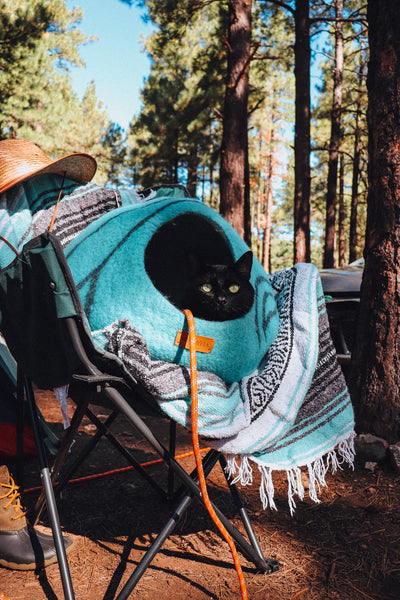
114, 471
53, 218
16, 252
196, 449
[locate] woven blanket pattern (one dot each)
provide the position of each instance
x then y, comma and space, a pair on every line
26, 210
293, 411
76, 211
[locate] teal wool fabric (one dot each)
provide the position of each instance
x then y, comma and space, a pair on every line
107, 261
293, 411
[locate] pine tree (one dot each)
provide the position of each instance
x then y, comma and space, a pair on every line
39, 41
335, 139
175, 136
375, 377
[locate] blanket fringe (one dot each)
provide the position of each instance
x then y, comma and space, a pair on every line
317, 469
267, 488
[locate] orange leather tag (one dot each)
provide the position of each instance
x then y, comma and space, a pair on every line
203, 344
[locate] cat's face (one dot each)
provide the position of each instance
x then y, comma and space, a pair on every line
220, 292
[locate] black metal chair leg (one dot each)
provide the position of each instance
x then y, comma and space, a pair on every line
20, 429
172, 450
49, 492
62, 451
244, 516
155, 547
209, 462
249, 552
104, 431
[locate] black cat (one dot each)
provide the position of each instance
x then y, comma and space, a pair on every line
219, 292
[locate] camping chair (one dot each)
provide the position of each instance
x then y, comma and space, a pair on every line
16, 435
43, 323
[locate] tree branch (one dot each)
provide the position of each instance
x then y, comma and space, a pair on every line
251, 111
283, 5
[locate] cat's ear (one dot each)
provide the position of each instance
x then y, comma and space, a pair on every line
243, 265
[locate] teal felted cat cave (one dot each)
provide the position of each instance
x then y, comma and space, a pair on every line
270, 393
132, 264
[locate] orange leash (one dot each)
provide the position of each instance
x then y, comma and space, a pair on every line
16, 252
53, 218
113, 472
196, 449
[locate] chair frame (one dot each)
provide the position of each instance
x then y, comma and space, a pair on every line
90, 382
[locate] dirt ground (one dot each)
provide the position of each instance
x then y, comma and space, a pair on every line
345, 548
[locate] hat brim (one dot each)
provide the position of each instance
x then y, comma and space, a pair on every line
79, 167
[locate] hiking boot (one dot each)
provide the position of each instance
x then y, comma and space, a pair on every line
21, 547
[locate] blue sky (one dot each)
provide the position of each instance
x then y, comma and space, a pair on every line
115, 61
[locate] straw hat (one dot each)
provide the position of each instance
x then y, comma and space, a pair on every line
20, 159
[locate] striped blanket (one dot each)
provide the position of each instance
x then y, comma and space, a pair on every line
293, 411
27, 208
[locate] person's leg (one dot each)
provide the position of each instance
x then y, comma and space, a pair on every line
21, 547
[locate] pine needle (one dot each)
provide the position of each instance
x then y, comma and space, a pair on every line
298, 593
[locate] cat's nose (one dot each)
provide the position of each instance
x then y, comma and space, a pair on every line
221, 299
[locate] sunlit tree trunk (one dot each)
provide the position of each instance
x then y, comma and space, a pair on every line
375, 377
233, 169
342, 216
260, 184
302, 134
356, 171
246, 200
259, 228
192, 166
331, 194
268, 200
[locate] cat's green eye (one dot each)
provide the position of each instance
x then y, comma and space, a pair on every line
206, 287
234, 288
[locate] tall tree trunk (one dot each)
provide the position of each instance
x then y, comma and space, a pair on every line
192, 166
375, 377
302, 134
259, 195
246, 201
233, 168
266, 262
213, 196
342, 215
259, 228
356, 169
334, 145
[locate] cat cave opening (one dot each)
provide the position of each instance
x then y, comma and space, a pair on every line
173, 248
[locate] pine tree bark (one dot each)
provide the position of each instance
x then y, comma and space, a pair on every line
266, 259
342, 215
334, 145
356, 170
302, 134
233, 169
375, 376
192, 174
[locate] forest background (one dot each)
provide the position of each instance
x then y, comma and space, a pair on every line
177, 135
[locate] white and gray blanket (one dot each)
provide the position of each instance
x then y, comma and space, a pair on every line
293, 411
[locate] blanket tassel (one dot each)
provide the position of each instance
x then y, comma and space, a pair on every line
317, 469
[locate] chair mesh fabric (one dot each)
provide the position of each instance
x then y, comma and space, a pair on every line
37, 293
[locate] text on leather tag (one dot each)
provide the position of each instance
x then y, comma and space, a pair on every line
203, 344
